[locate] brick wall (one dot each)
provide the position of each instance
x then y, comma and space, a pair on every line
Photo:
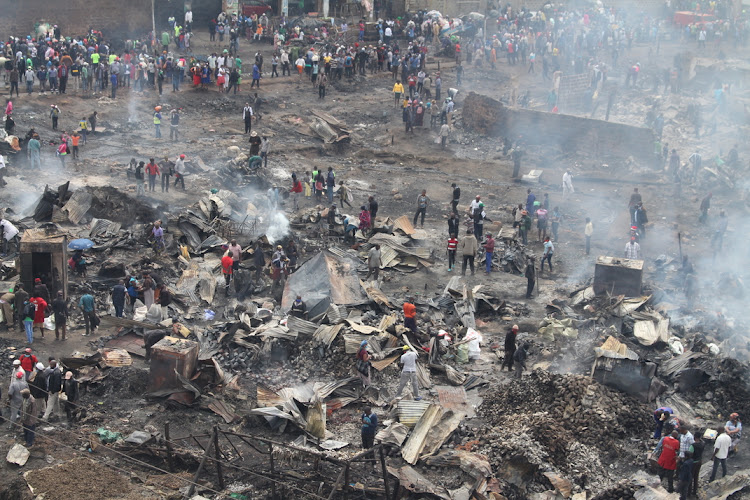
115, 18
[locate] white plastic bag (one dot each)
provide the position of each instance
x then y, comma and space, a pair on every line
49, 323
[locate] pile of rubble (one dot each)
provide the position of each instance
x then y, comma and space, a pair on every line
569, 425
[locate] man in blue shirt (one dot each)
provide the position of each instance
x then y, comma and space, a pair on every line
530, 199
330, 183
369, 428
118, 298
88, 307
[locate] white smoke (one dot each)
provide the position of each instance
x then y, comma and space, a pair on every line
278, 226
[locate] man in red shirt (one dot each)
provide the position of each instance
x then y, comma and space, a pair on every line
452, 246
226, 269
670, 446
412, 81
410, 315
28, 361
152, 169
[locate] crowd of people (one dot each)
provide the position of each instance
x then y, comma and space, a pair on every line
680, 453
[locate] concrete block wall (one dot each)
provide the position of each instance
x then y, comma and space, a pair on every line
602, 141
115, 18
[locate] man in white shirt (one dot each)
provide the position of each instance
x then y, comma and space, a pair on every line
236, 251
247, 116
721, 451
474, 204
10, 234
567, 184
632, 249
409, 373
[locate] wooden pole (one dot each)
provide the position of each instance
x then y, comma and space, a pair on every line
273, 483
385, 473
170, 459
233, 446
197, 474
336, 484
346, 481
217, 452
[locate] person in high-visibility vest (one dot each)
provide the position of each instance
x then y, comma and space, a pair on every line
84, 128
157, 121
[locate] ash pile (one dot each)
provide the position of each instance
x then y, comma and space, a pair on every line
545, 432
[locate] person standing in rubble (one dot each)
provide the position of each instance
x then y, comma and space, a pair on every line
139, 190
363, 364
87, 306
296, 190
10, 236
454, 201
41, 290
567, 183
372, 206
717, 240
721, 451
259, 260
369, 428
489, 250
549, 251
409, 373
423, 201
733, 428
410, 315
330, 184
29, 416
469, 247
705, 206
588, 232
524, 226
635, 200
520, 359
15, 398
118, 299
41, 306
179, 172
19, 301
510, 348
60, 310
226, 270
373, 262
632, 249
165, 299
530, 274
670, 446
152, 169
72, 392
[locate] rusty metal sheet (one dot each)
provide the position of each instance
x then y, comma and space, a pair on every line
381, 364
130, 342
417, 483
223, 410
404, 224
267, 397
453, 398
78, 205
301, 326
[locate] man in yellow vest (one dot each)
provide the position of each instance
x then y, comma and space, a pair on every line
84, 128
157, 121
